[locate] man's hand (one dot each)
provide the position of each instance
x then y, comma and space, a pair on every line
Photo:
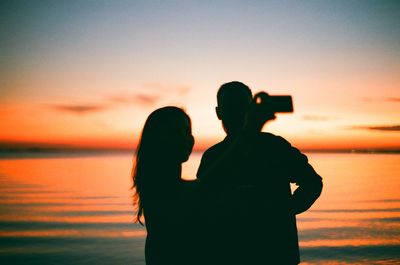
260, 112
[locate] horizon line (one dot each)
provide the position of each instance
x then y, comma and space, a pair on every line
5, 150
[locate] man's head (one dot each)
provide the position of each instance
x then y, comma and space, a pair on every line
234, 99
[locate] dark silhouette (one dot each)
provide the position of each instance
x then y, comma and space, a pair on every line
170, 205
176, 221
242, 181
161, 195
254, 209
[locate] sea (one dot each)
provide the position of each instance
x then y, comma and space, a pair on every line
77, 209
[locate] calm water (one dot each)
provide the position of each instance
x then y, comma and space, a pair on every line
77, 210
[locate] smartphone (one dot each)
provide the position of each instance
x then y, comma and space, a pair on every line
275, 104
281, 103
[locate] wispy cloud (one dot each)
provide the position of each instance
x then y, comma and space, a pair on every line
315, 118
366, 99
385, 128
387, 99
140, 99
390, 128
78, 109
393, 99
179, 89
149, 94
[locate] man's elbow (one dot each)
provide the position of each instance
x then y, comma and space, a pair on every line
317, 187
306, 195
314, 190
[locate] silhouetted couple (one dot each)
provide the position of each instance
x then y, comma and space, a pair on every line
240, 210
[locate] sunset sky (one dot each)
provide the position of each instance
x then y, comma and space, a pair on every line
88, 73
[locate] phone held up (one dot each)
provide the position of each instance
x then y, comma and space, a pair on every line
275, 103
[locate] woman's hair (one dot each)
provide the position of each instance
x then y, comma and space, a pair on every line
153, 147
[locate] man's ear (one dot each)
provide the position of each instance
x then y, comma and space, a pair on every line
218, 112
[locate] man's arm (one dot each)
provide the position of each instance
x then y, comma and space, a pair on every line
303, 174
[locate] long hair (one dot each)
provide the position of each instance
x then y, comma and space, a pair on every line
153, 146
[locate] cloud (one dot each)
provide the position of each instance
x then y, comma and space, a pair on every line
315, 118
366, 99
385, 128
143, 99
388, 128
387, 99
140, 99
78, 108
149, 94
393, 99
179, 89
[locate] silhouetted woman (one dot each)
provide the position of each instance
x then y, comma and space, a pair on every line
167, 202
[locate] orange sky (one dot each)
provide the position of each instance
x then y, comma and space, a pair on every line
88, 74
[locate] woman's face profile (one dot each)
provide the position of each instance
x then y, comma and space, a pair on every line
184, 139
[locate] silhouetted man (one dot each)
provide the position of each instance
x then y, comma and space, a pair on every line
255, 220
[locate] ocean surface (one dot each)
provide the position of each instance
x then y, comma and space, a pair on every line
77, 210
